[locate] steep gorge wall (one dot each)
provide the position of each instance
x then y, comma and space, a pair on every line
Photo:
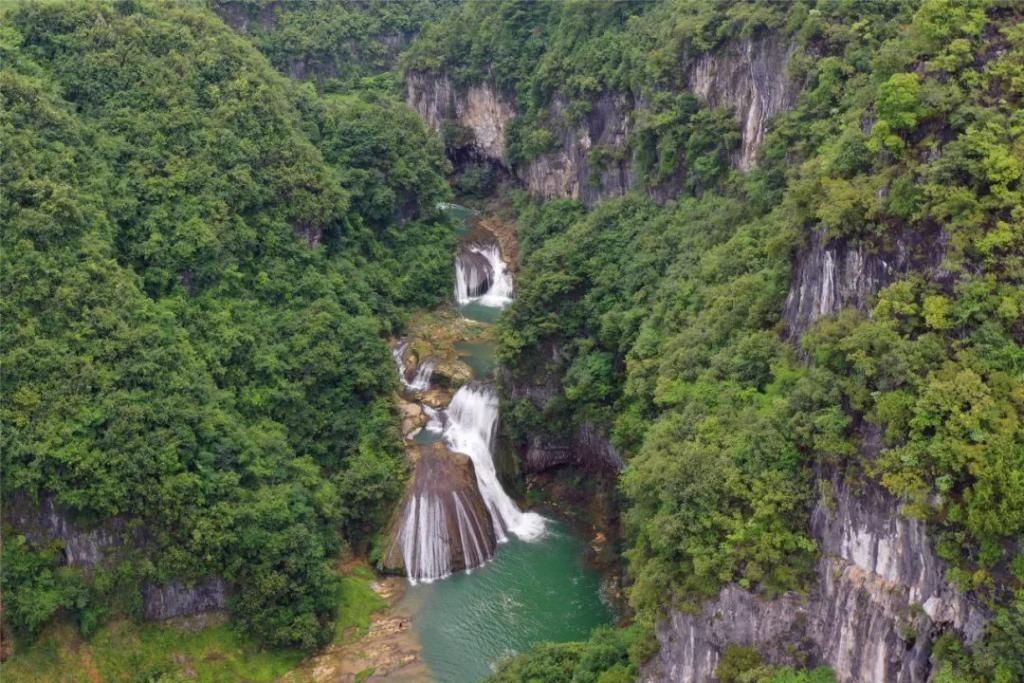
830, 275
587, 444
879, 601
748, 76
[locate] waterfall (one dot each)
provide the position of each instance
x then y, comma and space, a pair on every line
426, 545
421, 382
485, 269
470, 533
472, 418
424, 371
435, 420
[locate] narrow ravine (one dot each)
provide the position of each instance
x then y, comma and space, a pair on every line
487, 578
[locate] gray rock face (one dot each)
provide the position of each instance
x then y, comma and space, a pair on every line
479, 108
831, 275
880, 600
570, 171
177, 600
749, 77
691, 644
587, 446
90, 546
82, 545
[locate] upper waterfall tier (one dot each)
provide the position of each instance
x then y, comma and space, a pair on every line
482, 276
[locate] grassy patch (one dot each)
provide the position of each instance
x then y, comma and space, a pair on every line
123, 651
358, 603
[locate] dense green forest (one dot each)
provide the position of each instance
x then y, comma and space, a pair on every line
202, 260
201, 263
667, 319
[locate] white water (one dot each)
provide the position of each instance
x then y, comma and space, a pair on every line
435, 420
426, 547
421, 382
469, 534
424, 371
472, 418
499, 294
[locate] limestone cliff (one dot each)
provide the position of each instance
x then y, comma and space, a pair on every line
90, 546
479, 109
879, 601
747, 76
585, 445
829, 275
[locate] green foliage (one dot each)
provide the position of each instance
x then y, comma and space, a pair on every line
743, 665
201, 261
123, 652
610, 656
339, 44
665, 321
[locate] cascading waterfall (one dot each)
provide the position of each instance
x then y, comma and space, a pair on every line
443, 524
469, 276
424, 371
472, 418
470, 533
421, 381
435, 420
426, 544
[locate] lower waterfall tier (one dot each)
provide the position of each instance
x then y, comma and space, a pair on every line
443, 524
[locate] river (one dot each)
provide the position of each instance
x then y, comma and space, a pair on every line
537, 587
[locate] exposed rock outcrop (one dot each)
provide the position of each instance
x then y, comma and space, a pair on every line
572, 170
750, 77
878, 604
175, 599
82, 545
830, 275
480, 109
591, 159
442, 496
90, 546
588, 447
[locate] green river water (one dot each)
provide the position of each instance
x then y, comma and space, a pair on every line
530, 592
534, 591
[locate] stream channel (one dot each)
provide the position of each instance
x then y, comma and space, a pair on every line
536, 586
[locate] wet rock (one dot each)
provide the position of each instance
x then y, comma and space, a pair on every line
413, 417
437, 397
477, 270
443, 495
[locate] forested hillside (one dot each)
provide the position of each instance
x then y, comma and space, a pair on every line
666, 319
769, 281
201, 263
